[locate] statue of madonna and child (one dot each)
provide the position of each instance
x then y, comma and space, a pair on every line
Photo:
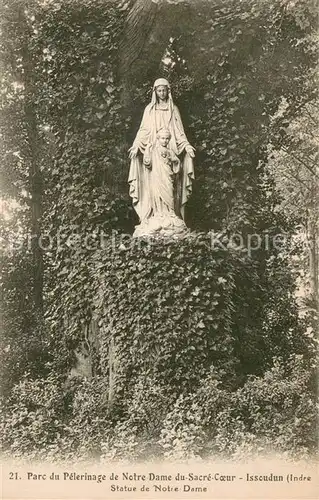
161, 170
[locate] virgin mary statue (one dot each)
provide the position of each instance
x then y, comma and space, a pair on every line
161, 170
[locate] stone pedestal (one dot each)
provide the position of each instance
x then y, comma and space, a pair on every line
161, 225
165, 307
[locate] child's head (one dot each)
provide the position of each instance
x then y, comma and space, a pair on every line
163, 136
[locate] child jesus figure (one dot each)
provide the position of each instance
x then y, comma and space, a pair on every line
164, 165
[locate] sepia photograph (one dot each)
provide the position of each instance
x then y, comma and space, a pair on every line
159, 249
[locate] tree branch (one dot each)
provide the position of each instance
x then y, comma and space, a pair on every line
300, 161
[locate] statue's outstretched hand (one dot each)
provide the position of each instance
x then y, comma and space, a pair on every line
190, 150
133, 152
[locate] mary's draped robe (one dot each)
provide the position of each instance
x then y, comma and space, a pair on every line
143, 184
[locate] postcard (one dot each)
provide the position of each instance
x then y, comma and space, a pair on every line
159, 242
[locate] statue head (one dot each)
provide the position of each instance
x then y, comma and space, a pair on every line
163, 136
161, 93
161, 88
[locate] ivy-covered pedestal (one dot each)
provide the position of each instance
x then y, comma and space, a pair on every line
165, 310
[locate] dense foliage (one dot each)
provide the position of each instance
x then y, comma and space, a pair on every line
175, 349
51, 420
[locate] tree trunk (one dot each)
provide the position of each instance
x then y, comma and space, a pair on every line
33, 160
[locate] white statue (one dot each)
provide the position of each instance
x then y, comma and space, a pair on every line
161, 170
